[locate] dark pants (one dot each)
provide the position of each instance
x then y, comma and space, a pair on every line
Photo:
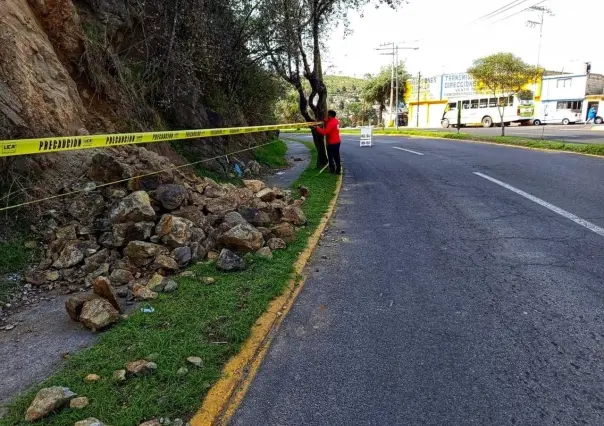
333, 153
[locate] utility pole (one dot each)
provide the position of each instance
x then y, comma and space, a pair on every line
394, 72
542, 10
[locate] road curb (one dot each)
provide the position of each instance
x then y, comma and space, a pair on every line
598, 128
224, 397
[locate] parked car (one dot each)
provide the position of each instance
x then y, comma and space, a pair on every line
560, 116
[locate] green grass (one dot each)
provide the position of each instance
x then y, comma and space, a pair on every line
593, 149
210, 321
272, 155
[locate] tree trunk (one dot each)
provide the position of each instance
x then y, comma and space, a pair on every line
501, 112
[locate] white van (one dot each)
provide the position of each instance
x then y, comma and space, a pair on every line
558, 112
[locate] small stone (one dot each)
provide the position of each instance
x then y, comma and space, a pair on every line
92, 378
52, 276
31, 244
276, 244
46, 401
182, 371
229, 261
140, 366
79, 402
212, 255
265, 253
285, 231
90, 421
188, 274
170, 286
208, 280
70, 256
121, 276
156, 283
295, 215
119, 375
243, 237
143, 293
304, 192
153, 422
195, 360
142, 253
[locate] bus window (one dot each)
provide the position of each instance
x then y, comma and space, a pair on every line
474, 104
492, 102
484, 103
503, 101
452, 105
465, 105
511, 100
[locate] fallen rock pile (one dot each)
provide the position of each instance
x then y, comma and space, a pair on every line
123, 240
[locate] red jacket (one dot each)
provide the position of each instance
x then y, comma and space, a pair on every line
331, 130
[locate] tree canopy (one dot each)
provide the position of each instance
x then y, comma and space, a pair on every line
503, 74
378, 87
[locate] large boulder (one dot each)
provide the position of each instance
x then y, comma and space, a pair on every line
171, 196
229, 261
285, 231
71, 255
182, 255
98, 314
136, 207
243, 237
294, 214
142, 253
102, 287
266, 195
233, 219
254, 216
87, 207
123, 233
46, 401
194, 214
75, 303
221, 206
174, 231
254, 185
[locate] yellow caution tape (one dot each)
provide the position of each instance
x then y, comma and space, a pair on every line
10, 148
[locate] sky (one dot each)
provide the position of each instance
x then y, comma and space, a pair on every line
450, 36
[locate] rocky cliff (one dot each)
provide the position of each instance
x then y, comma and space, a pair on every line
112, 65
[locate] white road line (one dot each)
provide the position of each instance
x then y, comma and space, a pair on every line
561, 212
408, 150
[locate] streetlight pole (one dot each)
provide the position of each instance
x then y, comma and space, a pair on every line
397, 92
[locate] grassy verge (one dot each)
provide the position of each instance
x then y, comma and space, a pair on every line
272, 155
209, 321
592, 149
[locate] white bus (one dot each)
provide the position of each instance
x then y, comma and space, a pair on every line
484, 111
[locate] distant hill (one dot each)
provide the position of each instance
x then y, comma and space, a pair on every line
341, 84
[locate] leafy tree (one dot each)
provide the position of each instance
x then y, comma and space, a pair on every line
378, 88
503, 74
290, 35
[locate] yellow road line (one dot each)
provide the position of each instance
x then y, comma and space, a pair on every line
225, 396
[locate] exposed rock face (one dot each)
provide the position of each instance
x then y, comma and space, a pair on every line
37, 94
46, 401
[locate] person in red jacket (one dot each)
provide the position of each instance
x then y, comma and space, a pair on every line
332, 131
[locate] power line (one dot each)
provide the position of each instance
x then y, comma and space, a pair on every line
500, 10
518, 13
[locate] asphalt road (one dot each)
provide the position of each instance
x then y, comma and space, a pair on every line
576, 133
447, 298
